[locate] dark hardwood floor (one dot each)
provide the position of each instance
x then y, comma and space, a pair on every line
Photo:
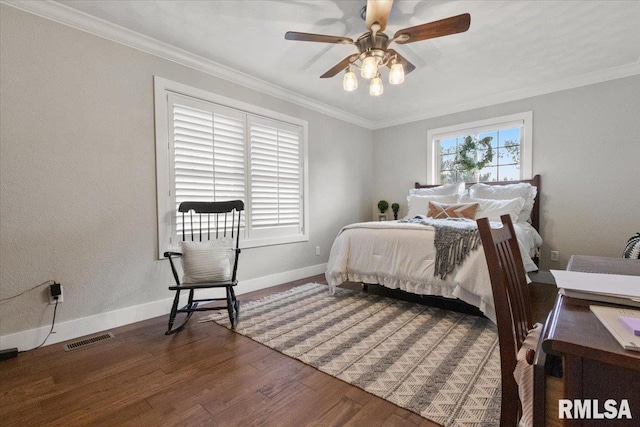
203, 375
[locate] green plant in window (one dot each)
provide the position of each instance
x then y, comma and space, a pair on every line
513, 149
383, 205
467, 154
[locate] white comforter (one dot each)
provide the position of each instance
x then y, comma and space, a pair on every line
402, 256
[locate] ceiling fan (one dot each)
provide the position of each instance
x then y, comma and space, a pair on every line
373, 46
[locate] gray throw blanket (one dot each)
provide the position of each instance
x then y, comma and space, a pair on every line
454, 239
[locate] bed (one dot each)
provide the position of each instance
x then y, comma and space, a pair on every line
401, 254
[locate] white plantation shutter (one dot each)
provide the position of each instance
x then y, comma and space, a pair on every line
213, 148
209, 152
276, 174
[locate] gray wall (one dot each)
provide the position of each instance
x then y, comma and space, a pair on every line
77, 173
77, 170
586, 147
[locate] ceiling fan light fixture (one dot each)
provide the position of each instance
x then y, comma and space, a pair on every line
350, 82
369, 67
376, 88
396, 75
373, 46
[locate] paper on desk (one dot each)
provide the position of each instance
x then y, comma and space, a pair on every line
597, 283
610, 318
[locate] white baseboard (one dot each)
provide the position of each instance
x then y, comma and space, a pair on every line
26, 340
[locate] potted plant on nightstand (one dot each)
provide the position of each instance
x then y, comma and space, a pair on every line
395, 208
383, 205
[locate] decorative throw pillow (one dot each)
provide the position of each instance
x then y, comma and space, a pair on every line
632, 249
442, 210
419, 205
206, 261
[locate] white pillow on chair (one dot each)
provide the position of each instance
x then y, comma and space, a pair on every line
206, 261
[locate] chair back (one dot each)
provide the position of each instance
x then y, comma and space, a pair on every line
512, 305
206, 221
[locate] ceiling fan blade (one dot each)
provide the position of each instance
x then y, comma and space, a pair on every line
378, 11
408, 66
443, 27
307, 37
339, 66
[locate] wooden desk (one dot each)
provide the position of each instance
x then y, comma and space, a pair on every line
594, 364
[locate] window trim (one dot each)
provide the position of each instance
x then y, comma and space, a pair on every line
526, 149
162, 88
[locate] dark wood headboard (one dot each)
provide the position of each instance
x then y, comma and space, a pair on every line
535, 181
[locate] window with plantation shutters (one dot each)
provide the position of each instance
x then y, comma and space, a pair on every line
208, 152
275, 174
213, 148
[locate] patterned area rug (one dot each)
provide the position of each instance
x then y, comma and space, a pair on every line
440, 364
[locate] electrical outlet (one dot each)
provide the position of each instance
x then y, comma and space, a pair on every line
317, 250
55, 289
555, 256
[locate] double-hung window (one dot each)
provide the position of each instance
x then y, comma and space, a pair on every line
497, 149
212, 148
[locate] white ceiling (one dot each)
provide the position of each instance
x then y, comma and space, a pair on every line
513, 49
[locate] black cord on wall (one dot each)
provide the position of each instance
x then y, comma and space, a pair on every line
48, 282
55, 309
53, 322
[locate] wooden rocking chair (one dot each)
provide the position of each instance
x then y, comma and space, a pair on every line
209, 251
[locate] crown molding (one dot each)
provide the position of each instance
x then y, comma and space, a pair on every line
79, 20
600, 76
73, 18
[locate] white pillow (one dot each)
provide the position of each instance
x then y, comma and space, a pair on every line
441, 190
419, 205
206, 261
494, 209
510, 191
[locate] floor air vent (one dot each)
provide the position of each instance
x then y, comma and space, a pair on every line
87, 341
